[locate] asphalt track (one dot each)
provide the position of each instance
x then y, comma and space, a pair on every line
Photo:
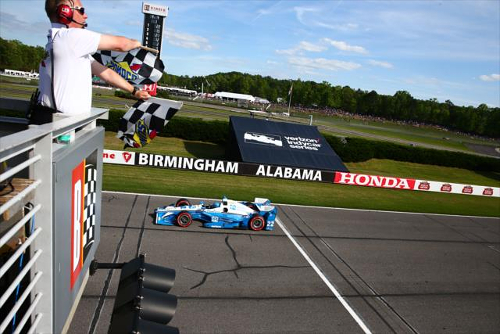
394, 272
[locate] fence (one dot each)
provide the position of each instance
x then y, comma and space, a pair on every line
38, 213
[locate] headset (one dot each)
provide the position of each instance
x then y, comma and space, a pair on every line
65, 14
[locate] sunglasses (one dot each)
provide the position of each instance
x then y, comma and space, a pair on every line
81, 10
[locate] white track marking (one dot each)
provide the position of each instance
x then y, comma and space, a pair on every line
323, 277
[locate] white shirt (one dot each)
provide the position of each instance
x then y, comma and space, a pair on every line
73, 48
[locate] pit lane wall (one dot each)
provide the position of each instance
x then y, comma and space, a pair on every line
291, 173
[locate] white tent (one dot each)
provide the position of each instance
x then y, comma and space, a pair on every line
234, 96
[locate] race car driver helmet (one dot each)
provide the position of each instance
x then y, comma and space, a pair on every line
216, 205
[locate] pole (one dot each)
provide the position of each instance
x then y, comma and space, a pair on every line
290, 99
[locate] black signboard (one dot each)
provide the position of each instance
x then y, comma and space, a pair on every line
152, 31
281, 144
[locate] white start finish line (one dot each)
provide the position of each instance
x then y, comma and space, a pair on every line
332, 288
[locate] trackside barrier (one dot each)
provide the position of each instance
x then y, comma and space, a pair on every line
43, 269
292, 173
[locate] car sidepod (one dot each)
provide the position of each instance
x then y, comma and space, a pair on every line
222, 220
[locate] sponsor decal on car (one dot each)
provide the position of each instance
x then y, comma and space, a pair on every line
374, 181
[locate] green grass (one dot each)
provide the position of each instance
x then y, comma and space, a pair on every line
197, 184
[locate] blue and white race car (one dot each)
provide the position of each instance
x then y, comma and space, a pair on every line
257, 215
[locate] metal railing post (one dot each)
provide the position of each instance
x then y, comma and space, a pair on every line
44, 196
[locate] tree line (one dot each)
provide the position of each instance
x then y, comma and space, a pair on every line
480, 120
15, 55
401, 106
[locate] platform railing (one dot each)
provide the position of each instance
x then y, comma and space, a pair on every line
33, 149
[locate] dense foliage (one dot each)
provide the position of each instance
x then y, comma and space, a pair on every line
15, 55
324, 97
349, 149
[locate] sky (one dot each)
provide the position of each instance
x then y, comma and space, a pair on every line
444, 50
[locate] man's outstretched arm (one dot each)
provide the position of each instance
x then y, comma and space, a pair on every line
117, 43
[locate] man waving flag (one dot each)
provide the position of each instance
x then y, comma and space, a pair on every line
137, 66
145, 120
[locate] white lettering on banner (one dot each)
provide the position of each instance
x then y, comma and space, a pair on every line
374, 181
300, 143
143, 159
188, 163
166, 161
198, 164
210, 165
289, 173
158, 161
170, 162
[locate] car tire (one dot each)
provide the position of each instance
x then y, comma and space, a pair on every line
184, 219
182, 202
257, 223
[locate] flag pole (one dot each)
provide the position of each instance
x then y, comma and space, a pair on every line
290, 99
149, 49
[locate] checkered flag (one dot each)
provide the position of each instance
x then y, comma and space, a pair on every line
89, 212
145, 120
137, 66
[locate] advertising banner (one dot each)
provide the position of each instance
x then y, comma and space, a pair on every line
292, 173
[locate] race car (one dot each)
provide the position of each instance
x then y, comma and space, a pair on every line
257, 215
